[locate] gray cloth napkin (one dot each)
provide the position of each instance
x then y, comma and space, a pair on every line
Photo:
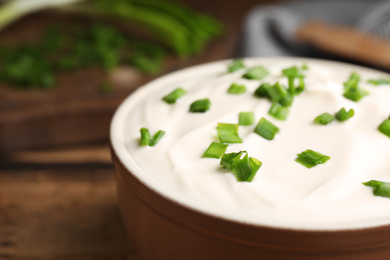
269, 29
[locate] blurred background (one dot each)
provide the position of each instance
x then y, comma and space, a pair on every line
66, 65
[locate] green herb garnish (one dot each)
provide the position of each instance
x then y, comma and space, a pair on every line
384, 127
246, 118
324, 119
262, 90
174, 95
145, 137
277, 92
380, 188
310, 158
352, 89
377, 82
266, 129
215, 150
343, 115
156, 138
228, 133
147, 140
287, 100
243, 167
258, 72
236, 65
278, 111
200, 106
236, 89
292, 74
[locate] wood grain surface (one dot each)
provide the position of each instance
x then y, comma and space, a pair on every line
61, 213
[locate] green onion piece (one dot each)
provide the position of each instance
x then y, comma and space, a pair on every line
384, 127
324, 119
292, 74
277, 92
353, 80
380, 188
262, 91
258, 72
145, 137
156, 138
236, 89
236, 65
310, 158
243, 167
305, 66
246, 118
200, 106
255, 165
278, 111
215, 150
343, 115
287, 100
352, 90
266, 129
355, 93
228, 133
174, 95
301, 86
227, 158
377, 82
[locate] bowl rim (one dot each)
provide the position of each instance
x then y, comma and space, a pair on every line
118, 145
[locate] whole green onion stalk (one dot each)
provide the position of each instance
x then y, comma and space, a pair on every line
182, 30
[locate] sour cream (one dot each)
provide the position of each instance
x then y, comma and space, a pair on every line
284, 193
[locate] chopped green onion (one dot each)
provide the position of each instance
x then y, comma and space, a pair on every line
266, 129
200, 106
227, 158
278, 111
246, 118
236, 89
215, 150
343, 115
277, 92
174, 95
301, 86
352, 90
380, 188
146, 140
228, 133
145, 137
243, 167
305, 66
384, 127
377, 82
156, 138
353, 80
355, 93
236, 65
324, 119
287, 100
262, 91
292, 74
310, 158
258, 72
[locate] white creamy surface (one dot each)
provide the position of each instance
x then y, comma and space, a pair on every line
283, 193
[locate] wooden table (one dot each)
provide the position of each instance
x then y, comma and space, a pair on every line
60, 202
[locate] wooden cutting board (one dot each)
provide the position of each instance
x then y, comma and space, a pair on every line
77, 111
